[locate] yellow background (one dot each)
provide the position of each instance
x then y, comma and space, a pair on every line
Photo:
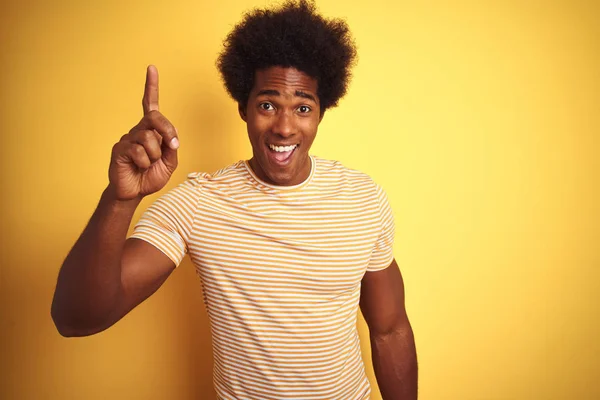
480, 119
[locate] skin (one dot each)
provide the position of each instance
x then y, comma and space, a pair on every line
392, 341
106, 275
283, 109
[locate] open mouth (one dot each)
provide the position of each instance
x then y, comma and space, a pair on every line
282, 155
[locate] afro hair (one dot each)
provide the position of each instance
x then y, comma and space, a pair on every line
291, 35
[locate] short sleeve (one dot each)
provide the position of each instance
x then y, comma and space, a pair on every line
383, 253
167, 223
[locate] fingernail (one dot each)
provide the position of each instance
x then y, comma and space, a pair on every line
174, 143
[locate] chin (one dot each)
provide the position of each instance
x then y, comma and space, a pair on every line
286, 175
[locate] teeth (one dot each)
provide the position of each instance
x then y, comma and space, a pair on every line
281, 149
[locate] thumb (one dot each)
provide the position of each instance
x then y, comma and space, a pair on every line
169, 153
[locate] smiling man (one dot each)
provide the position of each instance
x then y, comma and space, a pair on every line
288, 245
282, 114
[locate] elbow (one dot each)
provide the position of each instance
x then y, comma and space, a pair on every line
69, 326
67, 331
64, 328
399, 329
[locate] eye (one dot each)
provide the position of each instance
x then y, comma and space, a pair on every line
266, 106
304, 109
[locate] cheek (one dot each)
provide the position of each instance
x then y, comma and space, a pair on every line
256, 134
258, 126
310, 130
253, 130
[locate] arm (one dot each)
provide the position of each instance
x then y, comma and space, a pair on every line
105, 276
392, 340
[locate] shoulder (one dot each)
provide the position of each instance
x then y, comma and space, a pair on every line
335, 173
226, 175
202, 186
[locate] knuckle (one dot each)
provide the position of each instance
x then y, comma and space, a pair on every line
137, 150
120, 147
156, 156
154, 115
146, 136
141, 136
153, 151
158, 139
115, 150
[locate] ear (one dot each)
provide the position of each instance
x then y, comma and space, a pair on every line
242, 111
321, 116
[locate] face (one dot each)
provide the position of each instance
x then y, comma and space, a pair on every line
282, 116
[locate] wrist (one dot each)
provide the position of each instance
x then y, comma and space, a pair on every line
109, 196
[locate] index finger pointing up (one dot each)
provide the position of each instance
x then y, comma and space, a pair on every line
150, 100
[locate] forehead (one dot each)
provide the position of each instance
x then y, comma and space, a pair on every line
286, 80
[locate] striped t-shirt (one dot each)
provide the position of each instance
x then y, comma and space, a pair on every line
281, 268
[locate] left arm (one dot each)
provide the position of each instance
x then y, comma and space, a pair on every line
392, 340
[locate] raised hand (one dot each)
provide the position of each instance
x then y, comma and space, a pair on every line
144, 159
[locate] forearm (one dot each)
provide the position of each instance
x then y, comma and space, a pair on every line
89, 282
395, 364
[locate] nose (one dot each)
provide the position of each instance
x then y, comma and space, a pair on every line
284, 124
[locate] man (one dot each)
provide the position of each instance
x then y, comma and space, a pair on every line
287, 244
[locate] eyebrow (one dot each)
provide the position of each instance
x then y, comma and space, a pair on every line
298, 93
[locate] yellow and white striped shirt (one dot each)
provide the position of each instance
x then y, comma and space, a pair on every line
281, 268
